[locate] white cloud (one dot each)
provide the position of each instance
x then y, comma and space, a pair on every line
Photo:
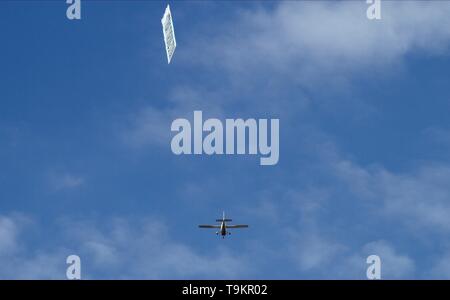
19, 262
318, 44
114, 248
308, 40
441, 267
317, 255
311, 252
63, 180
8, 233
150, 126
270, 57
39, 266
332, 206
393, 264
420, 198
146, 250
70, 181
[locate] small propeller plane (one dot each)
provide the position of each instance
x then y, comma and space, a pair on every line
223, 226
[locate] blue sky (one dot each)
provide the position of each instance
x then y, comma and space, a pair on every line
87, 169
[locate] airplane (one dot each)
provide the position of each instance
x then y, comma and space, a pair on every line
223, 226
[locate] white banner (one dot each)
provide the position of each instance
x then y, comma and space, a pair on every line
169, 34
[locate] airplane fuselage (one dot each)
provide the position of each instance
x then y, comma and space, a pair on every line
223, 229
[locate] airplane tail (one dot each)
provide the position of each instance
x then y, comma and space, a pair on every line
223, 218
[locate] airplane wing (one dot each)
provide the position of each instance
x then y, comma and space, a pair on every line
209, 226
237, 226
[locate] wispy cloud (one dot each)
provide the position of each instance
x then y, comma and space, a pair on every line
126, 249
19, 260
63, 181
8, 233
394, 264
150, 126
308, 48
113, 248
312, 252
301, 45
419, 199
307, 40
